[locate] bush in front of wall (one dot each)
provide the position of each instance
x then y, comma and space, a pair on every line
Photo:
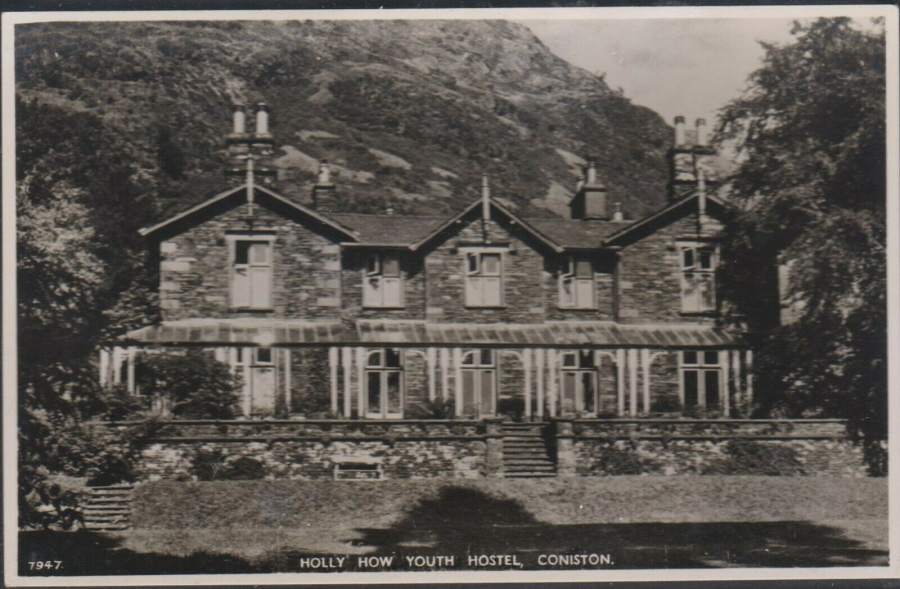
614, 461
753, 458
215, 465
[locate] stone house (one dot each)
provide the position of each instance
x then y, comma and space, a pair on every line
384, 316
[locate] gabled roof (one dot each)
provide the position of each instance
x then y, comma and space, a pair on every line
495, 206
258, 191
617, 236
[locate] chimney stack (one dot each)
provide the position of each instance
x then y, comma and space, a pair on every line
324, 190
686, 158
243, 146
680, 138
617, 212
701, 132
589, 201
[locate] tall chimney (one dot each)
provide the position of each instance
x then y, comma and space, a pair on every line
240, 120
324, 190
701, 132
262, 119
679, 131
589, 201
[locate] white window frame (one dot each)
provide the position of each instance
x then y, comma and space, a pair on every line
569, 274
694, 269
475, 280
377, 286
269, 264
576, 368
383, 371
477, 367
701, 367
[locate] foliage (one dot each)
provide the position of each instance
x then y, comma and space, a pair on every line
811, 132
665, 404
612, 461
214, 465
513, 408
316, 400
198, 385
434, 409
122, 405
753, 458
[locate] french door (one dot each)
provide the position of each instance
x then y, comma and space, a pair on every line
479, 383
384, 384
578, 382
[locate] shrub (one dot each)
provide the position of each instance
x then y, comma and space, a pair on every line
753, 458
122, 405
614, 461
434, 409
666, 404
214, 465
199, 386
513, 408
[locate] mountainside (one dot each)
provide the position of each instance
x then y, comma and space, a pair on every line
410, 113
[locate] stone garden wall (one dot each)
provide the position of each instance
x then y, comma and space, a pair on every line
810, 447
293, 449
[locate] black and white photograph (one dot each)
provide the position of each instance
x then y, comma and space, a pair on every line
485, 295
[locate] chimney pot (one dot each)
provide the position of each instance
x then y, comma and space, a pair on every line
617, 212
701, 132
592, 172
679, 130
240, 126
262, 119
324, 177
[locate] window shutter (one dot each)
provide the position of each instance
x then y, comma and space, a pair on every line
260, 287
240, 287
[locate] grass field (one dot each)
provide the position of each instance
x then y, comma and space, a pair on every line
642, 521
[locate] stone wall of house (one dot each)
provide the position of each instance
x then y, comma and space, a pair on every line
649, 274
690, 447
195, 272
522, 277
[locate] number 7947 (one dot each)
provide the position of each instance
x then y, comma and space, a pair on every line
40, 565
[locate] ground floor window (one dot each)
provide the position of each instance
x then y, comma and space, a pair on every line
701, 379
384, 384
579, 382
479, 382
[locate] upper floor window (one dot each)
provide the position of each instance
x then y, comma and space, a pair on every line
382, 284
484, 279
576, 284
698, 278
251, 274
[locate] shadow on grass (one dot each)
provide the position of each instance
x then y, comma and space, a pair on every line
462, 521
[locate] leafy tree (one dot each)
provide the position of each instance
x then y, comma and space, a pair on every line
810, 131
198, 386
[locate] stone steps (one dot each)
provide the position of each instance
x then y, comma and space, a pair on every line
108, 509
525, 452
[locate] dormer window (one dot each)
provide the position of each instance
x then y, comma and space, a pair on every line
576, 284
698, 278
382, 283
251, 273
484, 279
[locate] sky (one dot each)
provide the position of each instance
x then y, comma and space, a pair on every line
689, 67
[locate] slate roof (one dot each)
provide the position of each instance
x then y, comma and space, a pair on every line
389, 229
605, 334
573, 233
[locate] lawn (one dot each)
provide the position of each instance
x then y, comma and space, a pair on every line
641, 521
